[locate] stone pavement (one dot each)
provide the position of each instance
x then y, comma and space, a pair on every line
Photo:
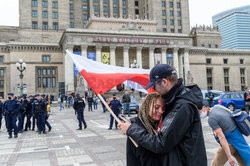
66, 146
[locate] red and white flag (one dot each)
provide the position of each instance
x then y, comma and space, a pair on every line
102, 77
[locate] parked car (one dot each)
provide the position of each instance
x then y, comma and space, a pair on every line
231, 100
215, 92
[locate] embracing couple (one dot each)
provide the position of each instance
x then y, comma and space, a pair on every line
168, 128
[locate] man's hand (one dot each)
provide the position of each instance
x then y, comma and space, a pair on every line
124, 127
231, 161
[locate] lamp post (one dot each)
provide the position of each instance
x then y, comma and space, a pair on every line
21, 66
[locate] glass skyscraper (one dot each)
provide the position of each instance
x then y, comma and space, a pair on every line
234, 26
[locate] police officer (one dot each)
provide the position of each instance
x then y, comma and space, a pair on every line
21, 113
115, 106
46, 115
79, 106
39, 108
34, 115
28, 113
11, 110
210, 98
1, 112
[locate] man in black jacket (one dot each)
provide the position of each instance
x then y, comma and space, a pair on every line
180, 141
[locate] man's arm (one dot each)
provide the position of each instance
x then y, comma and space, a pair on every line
174, 127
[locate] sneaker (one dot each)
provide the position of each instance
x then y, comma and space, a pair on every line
10, 136
79, 129
15, 136
44, 132
85, 127
25, 130
49, 129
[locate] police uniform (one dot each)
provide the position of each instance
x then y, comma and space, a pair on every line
21, 113
1, 113
39, 108
28, 114
46, 115
34, 115
115, 106
11, 110
79, 106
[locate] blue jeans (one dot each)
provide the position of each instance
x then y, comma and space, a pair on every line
95, 105
126, 108
116, 112
61, 106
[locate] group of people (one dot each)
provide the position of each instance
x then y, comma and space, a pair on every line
168, 128
20, 108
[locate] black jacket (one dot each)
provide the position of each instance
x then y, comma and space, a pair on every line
181, 139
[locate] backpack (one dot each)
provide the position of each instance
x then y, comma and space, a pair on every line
241, 119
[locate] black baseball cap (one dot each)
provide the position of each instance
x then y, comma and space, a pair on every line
159, 72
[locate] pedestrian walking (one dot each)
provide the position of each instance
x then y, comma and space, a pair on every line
115, 106
46, 114
103, 106
79, 106
95, 102
181, 140
126, 102
60, 101
11, 108
90, 102
1, 111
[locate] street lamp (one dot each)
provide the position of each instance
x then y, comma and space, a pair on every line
21, 66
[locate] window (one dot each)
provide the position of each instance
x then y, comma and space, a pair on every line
45, 14
171, 12
34, 3
179, 13
71, 7
137, 11
209, 78
48, 77
1, 72
55, 25
227, 89
208, 61
164, 30
124, 11
105, 9
216, 45
114, 1
85, 17
178, 4
84, 8
225, 61
241, 61
84, 25
226, 80
34, 25
209, 46
71, 15
54, 4
71, 24
242, 80
45, 3
1, 59
114, 9
95, 8
136, 3
179, 30
164, 21
171, 22
163, 12
171, 4
226, 72
163, 3
179, 22
1, 83
105, 1
124, 3
172, 30
242, 72
45, 26
34, 13
46, 58
55, 15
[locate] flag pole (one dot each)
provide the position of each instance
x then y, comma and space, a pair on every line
116, 118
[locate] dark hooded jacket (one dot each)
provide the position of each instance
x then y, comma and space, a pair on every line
180, 141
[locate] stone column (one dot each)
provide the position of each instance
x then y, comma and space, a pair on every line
120, 8
176, 60
125, 57
186, 65
112, 55
181, 66
84, 51
111, 8
139, 56
164, 55
101, 8
68, 71
91, 10
98, 49
151, 57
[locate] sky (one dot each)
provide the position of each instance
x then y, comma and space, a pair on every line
201, 11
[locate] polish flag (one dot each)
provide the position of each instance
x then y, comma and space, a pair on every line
102, 77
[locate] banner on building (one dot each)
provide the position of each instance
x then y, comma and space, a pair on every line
92, 55
105, 58
75, 69
157, 58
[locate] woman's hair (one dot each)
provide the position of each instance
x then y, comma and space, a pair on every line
150, 125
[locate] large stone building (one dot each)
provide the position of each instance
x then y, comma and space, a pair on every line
115, 32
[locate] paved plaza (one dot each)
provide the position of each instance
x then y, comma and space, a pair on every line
66, 146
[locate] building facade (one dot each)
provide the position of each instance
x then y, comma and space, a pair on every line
113, 37
234, 26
